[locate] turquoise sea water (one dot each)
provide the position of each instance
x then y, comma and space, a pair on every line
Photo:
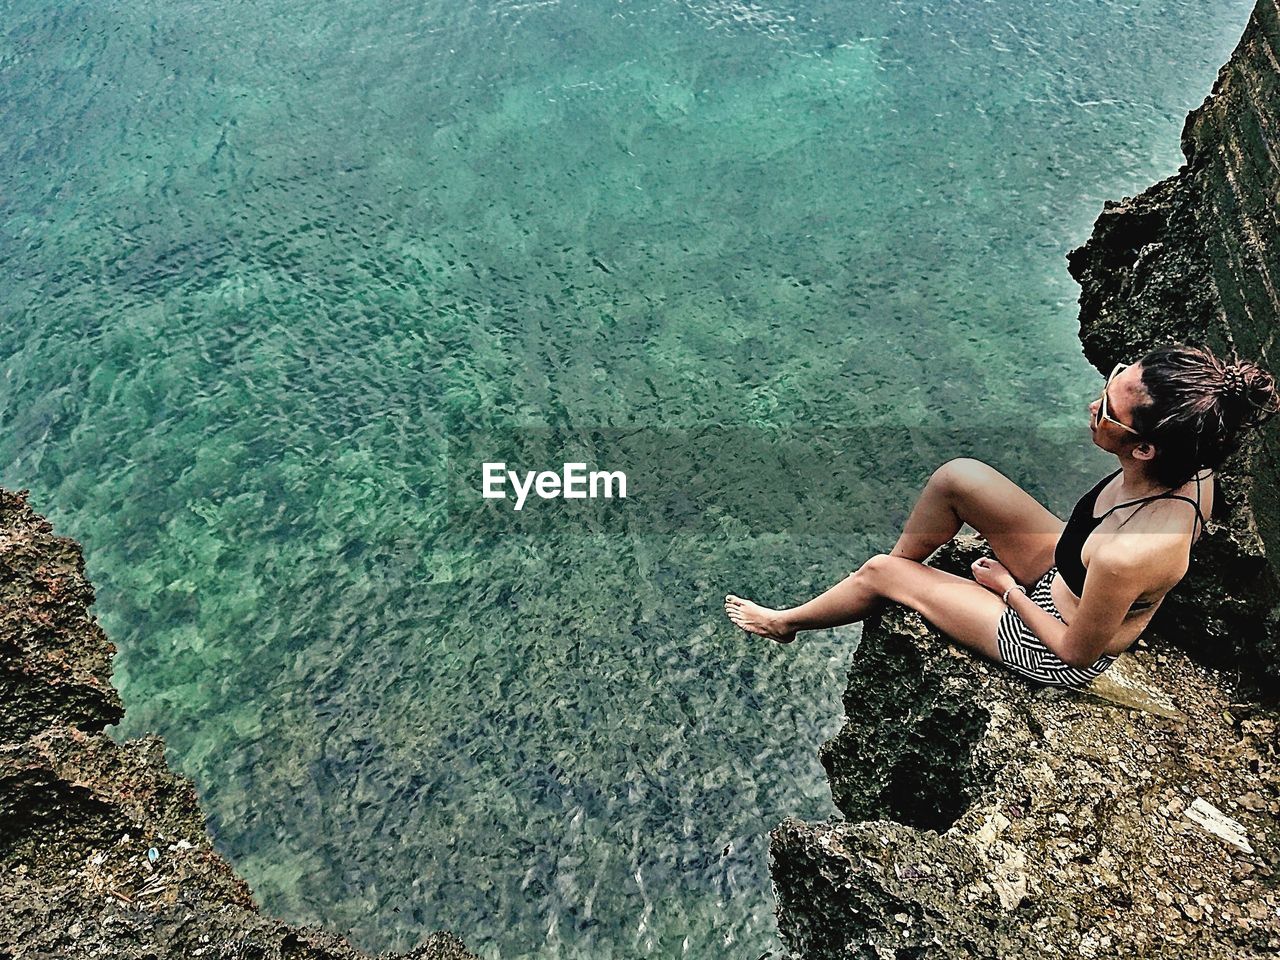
275, 275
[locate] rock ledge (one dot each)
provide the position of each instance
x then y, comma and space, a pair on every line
990, 817
987, 817
103, 849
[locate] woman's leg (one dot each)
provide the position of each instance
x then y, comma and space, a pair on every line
850, 600
964, 610
1021, 532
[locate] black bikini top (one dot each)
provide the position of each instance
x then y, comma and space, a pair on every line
1067, 554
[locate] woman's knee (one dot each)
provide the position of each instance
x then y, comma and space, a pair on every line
955, 477
874, 568
889, 577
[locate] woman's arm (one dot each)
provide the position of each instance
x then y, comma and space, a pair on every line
1113, 581
1051, 631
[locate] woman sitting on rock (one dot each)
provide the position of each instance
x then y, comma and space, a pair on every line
1064, 599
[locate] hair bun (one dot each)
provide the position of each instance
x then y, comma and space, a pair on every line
1234, 384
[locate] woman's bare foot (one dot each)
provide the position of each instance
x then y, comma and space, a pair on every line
757, 619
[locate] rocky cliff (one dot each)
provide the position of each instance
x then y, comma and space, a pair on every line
103, 849
985, 817
989, 818
1197, 258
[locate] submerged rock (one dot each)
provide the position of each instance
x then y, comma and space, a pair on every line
103, 848
986, 817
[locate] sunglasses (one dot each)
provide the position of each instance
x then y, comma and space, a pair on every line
1102, 404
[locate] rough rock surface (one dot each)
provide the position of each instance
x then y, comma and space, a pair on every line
103, 849
991, 817
986, 817
1197, 258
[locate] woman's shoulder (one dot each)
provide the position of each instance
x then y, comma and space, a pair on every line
1158, 537
1175, 507
1201, 490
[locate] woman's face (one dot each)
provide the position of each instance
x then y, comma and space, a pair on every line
1123, 393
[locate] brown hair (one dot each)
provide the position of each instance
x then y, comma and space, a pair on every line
1199, 408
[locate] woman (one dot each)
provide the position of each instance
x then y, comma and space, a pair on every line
1064, 599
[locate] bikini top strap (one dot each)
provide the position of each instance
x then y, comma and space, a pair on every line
1199, 517
1199, 514
1130, 503
1091, 498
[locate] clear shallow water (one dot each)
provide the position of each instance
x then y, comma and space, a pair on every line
273, 272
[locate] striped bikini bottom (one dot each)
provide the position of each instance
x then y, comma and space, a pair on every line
1023, 652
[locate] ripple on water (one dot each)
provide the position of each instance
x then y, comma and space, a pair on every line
274, 271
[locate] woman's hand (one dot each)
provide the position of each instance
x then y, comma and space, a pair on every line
992, 575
